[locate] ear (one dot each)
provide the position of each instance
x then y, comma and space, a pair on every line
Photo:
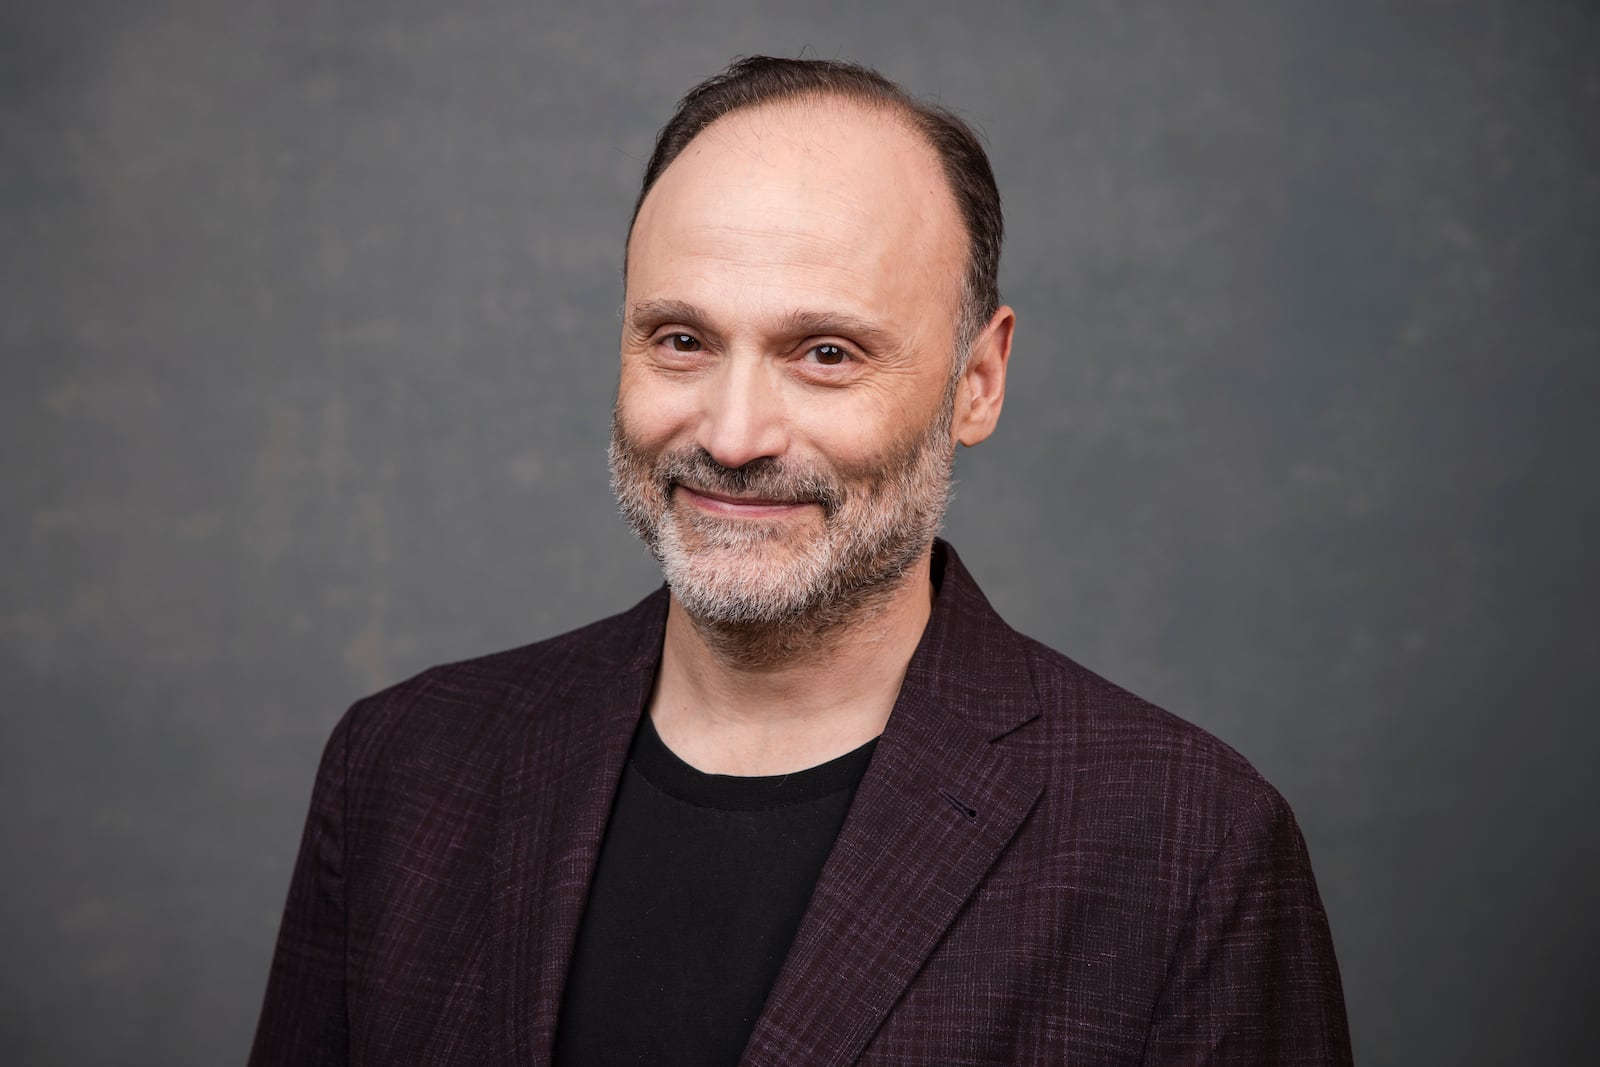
982, 389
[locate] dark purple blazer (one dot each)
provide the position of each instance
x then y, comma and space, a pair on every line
1038, 868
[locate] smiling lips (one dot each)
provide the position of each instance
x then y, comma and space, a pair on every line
744, 507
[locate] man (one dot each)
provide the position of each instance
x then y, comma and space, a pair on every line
815, 802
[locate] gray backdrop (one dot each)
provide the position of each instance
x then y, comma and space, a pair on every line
309, 328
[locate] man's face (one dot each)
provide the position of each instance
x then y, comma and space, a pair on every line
783, 436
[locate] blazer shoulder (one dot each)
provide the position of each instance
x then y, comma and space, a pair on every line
475, 701
1129, 750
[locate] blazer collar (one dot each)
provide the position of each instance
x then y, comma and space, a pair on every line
969, 661
567, 757
935, 808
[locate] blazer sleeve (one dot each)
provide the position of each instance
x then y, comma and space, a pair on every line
1254, 979
304, 1020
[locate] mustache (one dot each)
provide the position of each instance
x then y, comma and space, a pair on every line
768, 478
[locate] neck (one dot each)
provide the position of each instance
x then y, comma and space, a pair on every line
778, 699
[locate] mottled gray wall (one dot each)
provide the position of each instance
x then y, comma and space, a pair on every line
309, 323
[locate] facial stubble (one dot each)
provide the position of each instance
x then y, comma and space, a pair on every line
766, 587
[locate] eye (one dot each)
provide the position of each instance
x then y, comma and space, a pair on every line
828, 355
683, 342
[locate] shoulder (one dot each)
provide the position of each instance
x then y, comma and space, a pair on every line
1164, 849
1109, 724
1170, 823
1131, 761
458, 713
1081, 733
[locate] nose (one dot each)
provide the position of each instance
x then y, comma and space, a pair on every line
743, 417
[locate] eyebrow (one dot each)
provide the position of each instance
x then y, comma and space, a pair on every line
800, 322
643, 316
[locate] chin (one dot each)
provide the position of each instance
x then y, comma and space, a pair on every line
744, 573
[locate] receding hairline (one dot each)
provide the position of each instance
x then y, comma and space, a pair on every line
839, 99
756, 81
920, 213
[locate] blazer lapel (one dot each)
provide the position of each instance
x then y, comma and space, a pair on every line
938, 804
556, 795
936, 807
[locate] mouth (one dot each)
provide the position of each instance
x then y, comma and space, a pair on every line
752, 507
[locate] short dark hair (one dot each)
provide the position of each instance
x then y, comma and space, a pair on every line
756, 80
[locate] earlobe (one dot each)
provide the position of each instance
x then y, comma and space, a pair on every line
983, 384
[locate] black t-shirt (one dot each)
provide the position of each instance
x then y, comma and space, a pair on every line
701, 883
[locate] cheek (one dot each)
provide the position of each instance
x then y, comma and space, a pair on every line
858, 433
651, 415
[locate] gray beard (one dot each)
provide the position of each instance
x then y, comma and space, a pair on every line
755, 591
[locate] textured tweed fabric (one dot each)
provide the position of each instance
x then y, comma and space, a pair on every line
1038, 868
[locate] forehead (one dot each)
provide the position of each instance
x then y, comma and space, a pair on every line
816, 200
